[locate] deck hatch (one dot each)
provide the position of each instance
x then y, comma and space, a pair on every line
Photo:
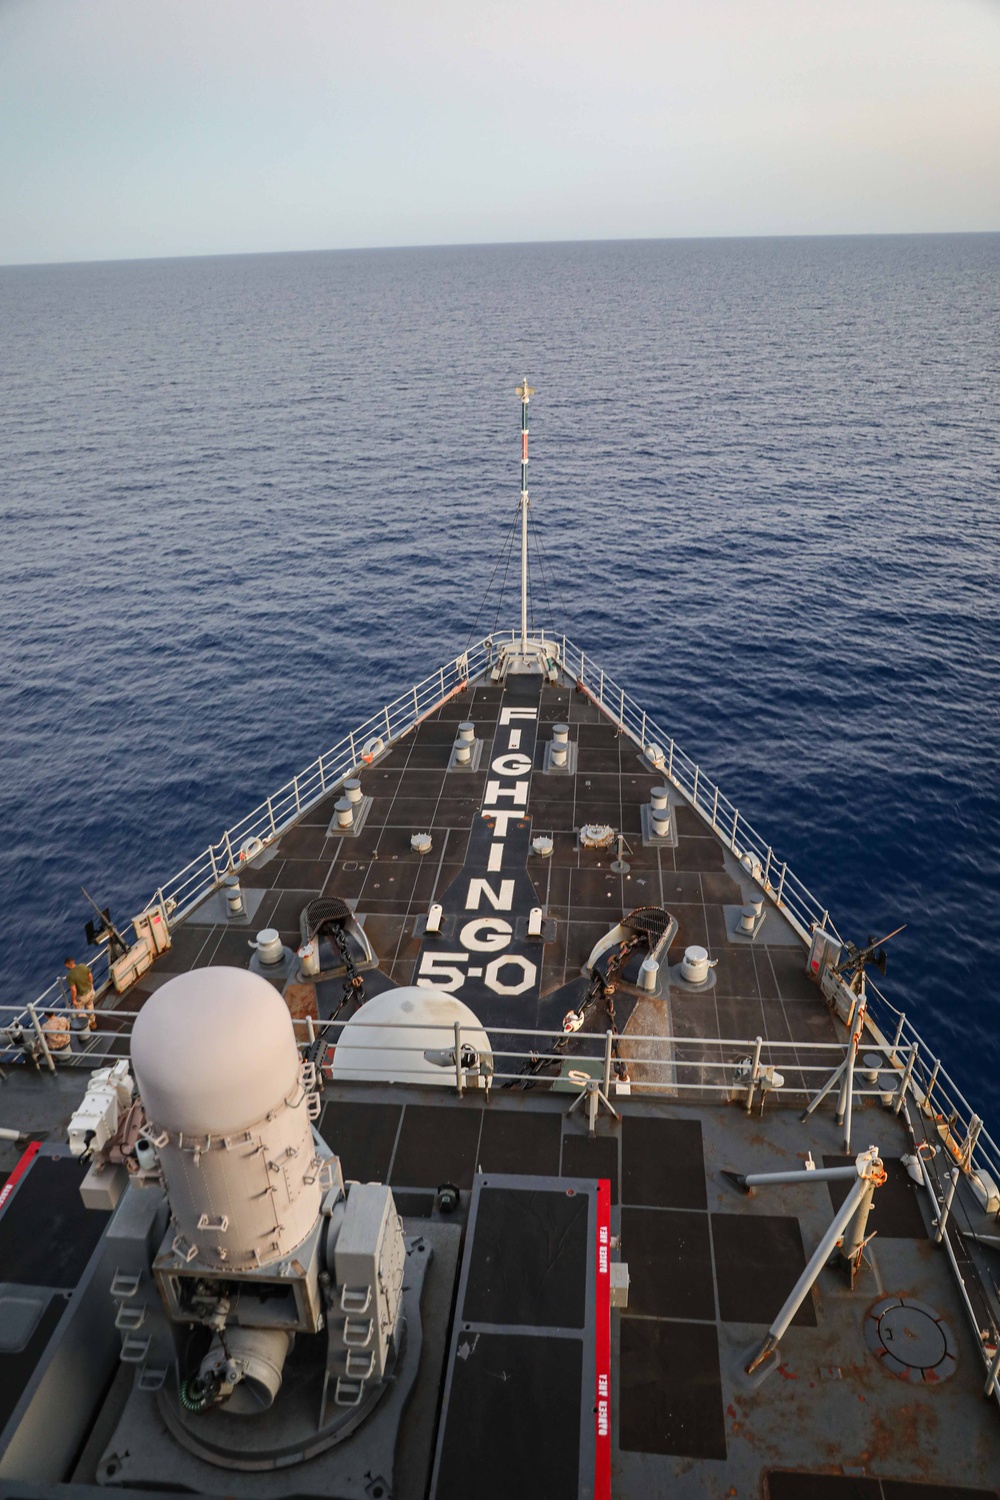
519, 1415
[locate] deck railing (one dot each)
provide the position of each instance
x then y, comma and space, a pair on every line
723, 1073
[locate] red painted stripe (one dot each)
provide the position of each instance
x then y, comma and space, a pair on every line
524, 447
19, 1171
602, 1346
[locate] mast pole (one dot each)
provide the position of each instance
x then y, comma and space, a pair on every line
525, 391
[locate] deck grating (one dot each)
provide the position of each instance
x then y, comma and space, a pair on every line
437, 1146
758, 1259
363, 1136
671, 1390
669, 1256
51, 1236
664, 1164
583, 1157
518, 1142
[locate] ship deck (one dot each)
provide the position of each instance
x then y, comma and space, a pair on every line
710, 1266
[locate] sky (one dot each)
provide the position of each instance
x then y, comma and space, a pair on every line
136, 128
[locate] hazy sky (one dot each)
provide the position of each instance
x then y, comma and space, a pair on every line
174, 127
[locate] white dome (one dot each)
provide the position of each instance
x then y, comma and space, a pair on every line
213, 1051
387, 1038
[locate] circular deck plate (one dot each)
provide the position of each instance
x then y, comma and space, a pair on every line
911, 1341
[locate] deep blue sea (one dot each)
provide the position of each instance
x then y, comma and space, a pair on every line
246, 500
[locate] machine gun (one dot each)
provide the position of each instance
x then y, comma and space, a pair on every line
858, 958
104, 931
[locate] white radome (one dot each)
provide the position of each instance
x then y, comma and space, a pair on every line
219, 1075
386, 1040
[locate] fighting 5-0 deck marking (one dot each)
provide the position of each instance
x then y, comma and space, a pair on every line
485, 961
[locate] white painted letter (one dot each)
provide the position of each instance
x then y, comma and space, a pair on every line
518, 793
511, 765
496, 934
480, 887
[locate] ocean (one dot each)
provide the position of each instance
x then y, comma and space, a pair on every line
248, 499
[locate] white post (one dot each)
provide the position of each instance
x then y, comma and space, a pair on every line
607, 1062
975, 1126
41, 1037
991, 1379
845, 1109
911, 1063
930, 1086
754, 1071
781, 884
954, 1175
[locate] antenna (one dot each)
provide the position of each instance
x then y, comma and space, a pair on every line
525, 391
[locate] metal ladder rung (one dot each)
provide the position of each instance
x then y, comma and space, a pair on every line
358, 1335
134, 1350
348, 1392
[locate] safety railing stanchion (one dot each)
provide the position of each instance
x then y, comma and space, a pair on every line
43, 1042
905, 1081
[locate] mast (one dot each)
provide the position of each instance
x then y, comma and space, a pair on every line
525, 391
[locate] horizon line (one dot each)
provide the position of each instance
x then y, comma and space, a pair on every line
115, 260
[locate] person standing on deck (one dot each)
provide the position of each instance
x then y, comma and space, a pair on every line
81, 989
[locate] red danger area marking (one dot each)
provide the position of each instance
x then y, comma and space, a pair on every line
19, 1171
602, 1347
